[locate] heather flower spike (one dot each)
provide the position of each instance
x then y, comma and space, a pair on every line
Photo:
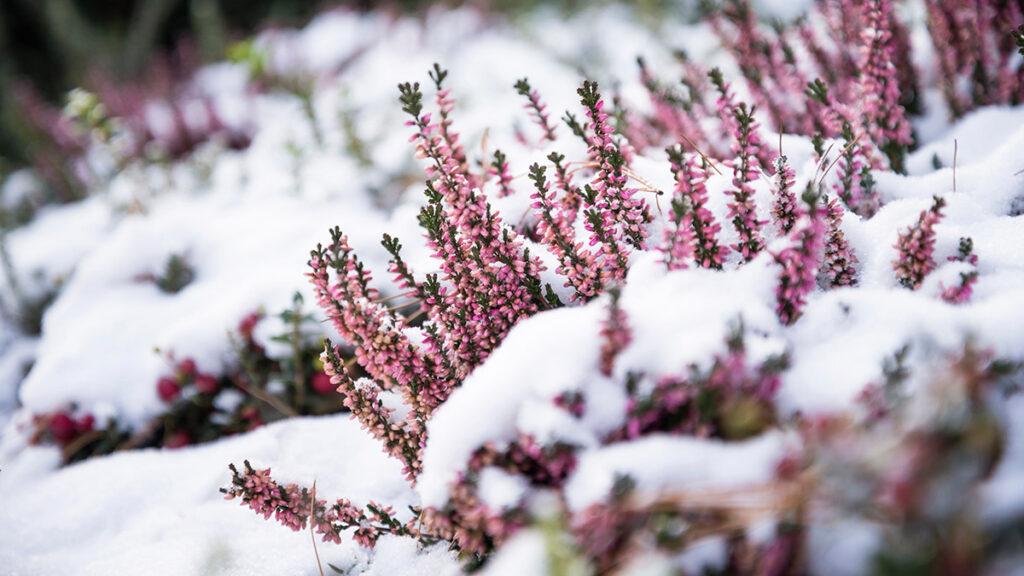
799, 262
499, 169
961, 292
615, 333
294, 507
569, 205
538, 110
839, 265
743, 210
784, 208
624, 214
677, 249
575, 262
690, 175
879, 87
916, 245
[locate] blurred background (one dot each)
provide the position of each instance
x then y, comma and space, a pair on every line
48, 47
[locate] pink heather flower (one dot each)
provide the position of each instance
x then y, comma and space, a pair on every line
770, 75
742, 209
690, 177
839, 265
381, 346
569, 206
879, 88
576, 263
615, 334
799, 262
672, 113
623, 214
784, 208
962, 292
490, 280
538, 110
744, 398
402, 439
677, 249
855, 185
473, 526
915, 246
499, 169
294, 507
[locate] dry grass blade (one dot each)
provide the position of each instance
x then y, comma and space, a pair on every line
312, 522
707, 159
839, 157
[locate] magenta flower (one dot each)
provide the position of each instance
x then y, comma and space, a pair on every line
742, 209
690, 177
839, 265
538, 110
915, 246
799, 262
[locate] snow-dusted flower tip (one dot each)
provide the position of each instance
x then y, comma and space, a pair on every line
961, 292
785, 210
839, 267
916, 245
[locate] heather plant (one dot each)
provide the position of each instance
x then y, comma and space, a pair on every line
961, 292
591, 216
916, 246
205, 405
799, 262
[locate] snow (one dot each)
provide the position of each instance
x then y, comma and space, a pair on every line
161, 509
694, 464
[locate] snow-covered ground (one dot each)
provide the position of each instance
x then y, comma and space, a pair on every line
246, 221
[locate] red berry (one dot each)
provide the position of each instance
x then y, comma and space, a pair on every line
167, 388
85, 423
248, 324
187, 367
179, 439
62, 428
322, 383
250, 413
206, 384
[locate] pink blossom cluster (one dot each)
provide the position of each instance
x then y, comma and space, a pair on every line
690, 175
799, 262
677, 247
615, 334
674, 116
576, 263
767, 64
472, 525
961, 292
974, 53
916, 245
499, 170
742, 209
743, 394
537, 109
785, 209
623, 215
879, 91
490, 279
839, 265
730, 111
294, 507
